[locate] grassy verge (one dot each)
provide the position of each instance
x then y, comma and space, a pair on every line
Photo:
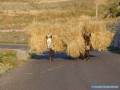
8, 60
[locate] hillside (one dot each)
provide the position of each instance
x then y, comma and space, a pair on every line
17, 14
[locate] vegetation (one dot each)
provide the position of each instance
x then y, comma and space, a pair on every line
8, 56
113, 10
18, 16
32, 54
14, 37
8, 60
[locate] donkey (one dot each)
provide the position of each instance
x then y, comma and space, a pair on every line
49, 45
51, 53
87, 46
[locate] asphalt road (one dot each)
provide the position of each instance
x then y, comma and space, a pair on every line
65, 73
14, 46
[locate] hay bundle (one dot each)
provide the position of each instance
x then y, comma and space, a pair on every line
69, 37
58, 44
101, 40
81, 44
38, 43
93, 27
73, 49
76, 48
75, 43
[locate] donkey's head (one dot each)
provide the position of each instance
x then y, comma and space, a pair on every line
87, 38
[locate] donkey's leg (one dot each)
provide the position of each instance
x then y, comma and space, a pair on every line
52, 57
84, 56
87, 55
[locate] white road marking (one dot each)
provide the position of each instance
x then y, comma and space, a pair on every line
50, 69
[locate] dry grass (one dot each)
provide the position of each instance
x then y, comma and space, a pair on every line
38, 37
19, 15
101, 40
14, 37
94, 26
58, 44
76, 48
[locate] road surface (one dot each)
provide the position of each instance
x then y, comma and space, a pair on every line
14, 46
65, 73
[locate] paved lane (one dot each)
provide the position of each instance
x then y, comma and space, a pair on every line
14, 46
64, 73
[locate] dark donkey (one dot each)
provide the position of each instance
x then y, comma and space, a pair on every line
87, 46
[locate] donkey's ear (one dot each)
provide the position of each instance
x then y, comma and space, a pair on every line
84, 34
90, 35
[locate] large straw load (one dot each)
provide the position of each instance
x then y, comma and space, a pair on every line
101, 38
69, 36
38, 41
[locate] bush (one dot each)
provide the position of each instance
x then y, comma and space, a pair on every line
8, 57
112, 9
32, 54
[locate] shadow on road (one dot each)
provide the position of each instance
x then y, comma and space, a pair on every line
116, 52
57, 56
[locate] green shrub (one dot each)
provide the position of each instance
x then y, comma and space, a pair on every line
112, 9
32, 54
8, 57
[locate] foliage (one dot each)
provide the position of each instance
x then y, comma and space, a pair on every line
32, 54
8, 57
113, 9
